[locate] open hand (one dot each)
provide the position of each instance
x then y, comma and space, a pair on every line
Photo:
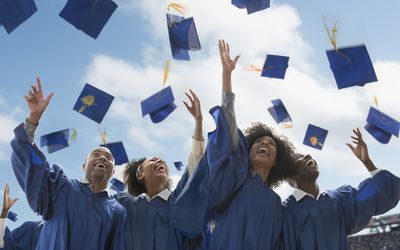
360, 149
37, 104
228, 65
7, 202
194, 107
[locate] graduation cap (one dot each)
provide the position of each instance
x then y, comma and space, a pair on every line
117, 185
93, 103
159, 105
14, 12
252, 5
275, 66
90, 16
315, 137
351, 66
279, 113
182, 36
178, 165
57, 140
12, 216
118, 151
381, 126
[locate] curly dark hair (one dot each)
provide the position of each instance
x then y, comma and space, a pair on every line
135, 187
285, 152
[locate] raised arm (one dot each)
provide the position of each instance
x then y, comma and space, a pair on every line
7, 204
197, 149
375, 196
30, 166
228, 97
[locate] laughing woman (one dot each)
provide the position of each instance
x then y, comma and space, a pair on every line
243, 212
159, 219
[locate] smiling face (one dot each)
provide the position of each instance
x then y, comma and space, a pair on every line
155, 171
263, 153
306, 169
99, 166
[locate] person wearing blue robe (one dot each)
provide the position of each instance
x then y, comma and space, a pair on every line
243, 211
23, 237
323, 220
158, 219
76, 215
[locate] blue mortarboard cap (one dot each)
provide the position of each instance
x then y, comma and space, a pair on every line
55, 141
275, 66
351, 66
12, 216
90, 16
381, 126
178, 165
118, 151
279, 112
182, 36
315, 137
93, 103
159, 105
251, 5
117, 185
14, 12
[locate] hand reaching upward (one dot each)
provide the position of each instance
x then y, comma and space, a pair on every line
36, 101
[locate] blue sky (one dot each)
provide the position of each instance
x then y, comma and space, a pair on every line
127, 61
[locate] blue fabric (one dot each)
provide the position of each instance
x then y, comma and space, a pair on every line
74, 217
159, 106
252, 5
275, 66
351, 66
182, 36
12, 216
93, 103
326, 223
15, 12
253, 217
118, 151
171, 224
381, 126
90, 16
24, 237
315, 137
55, 141
278, 111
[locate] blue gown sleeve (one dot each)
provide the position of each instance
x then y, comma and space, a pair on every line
375, 196
9, 241
118, 239
188, 202
39, 182
288, 235
227, 170
23, 237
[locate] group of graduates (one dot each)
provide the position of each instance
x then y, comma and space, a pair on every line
223, 201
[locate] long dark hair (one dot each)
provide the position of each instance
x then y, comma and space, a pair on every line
135, 187
285, 152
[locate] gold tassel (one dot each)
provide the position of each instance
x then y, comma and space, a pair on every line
332, 38
103, 136
375, 98
254, 68
166, 72
177, 7
87, 102
74, 134
314, 141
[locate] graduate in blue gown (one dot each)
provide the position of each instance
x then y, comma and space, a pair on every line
77, 215
243, 212
158, 219
25, 236
323, 220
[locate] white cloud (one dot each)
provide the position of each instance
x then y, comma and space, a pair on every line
7, 125
175, 179
309, 97
284, 190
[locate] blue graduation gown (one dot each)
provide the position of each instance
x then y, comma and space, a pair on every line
171, 224
325, 223
24, 237
74, 217
253, 217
